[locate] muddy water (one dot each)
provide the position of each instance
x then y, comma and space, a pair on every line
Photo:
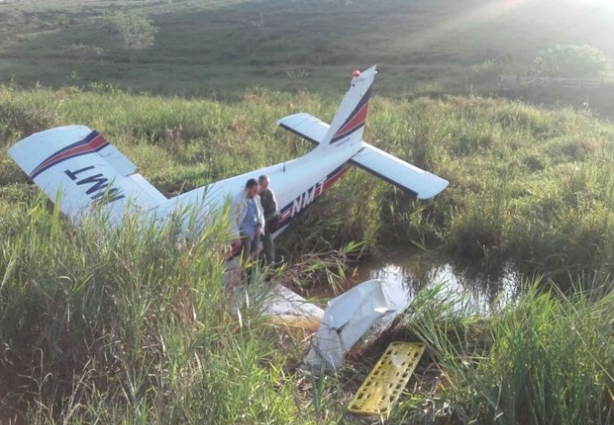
404, 274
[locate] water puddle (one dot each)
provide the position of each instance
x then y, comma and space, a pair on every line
405, 274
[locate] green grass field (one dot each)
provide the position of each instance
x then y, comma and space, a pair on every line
222, 47
133, 328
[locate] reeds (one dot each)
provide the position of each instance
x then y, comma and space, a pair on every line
131, 327
128, 327
545, 359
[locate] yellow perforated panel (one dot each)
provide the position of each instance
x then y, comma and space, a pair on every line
387, 379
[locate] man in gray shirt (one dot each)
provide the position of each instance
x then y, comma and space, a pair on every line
249, 217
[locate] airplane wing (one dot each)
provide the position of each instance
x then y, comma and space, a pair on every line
347, 319
406, 176
79, 168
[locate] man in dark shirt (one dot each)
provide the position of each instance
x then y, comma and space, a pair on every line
269, 205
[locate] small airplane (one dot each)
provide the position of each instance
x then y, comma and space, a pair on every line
78, 168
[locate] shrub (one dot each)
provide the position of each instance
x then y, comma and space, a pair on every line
573, 61
134, 30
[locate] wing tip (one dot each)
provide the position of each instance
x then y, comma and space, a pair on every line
435, 190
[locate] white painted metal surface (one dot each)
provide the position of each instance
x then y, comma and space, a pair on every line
346, 320
398, 172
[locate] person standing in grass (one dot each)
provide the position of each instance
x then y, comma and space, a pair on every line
269, 205
248, 217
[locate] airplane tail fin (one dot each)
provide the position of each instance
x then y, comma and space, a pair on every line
80, 168
348, 125
347, 130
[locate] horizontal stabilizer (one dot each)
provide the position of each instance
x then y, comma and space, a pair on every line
408, 177
306, 126
388, 167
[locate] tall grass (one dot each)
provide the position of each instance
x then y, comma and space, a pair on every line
129, 327
546, 359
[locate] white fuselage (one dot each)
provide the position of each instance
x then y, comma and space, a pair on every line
296, 184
